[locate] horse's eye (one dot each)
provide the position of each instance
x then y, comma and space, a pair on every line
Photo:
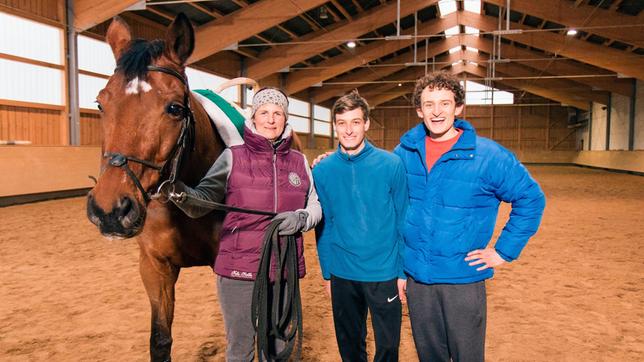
98, 105
174, 109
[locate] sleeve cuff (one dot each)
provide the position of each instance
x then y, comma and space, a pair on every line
504, 256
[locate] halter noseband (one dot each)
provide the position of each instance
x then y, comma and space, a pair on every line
172, 164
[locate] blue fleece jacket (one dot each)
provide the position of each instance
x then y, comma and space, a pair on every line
453, 208
364, 198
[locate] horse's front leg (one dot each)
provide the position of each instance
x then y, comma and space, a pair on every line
159, 278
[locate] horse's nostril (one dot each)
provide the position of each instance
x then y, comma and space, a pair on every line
124, 206
93, 212
128, 212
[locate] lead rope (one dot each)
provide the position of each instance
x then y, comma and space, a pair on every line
285, 306
285, 321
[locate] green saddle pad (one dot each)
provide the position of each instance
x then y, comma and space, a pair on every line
233, 114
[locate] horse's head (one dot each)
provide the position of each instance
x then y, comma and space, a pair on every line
147, 125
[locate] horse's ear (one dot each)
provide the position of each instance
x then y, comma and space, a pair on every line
118, 36
180, 40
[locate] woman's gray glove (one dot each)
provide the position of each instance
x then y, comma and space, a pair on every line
293, 222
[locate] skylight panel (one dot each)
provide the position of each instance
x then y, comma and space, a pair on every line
479, 94
470, 30
471, 49
455, 49
452, 31
473, 6
447, 7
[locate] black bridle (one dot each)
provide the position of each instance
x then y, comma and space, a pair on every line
172, 164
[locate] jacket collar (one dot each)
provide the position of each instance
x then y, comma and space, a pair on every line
368, 148
259, 143
415, 137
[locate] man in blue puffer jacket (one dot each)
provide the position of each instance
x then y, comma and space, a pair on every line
456, 182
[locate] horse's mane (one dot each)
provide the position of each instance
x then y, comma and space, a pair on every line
135, 61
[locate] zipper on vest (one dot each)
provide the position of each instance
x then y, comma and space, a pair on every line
274, 180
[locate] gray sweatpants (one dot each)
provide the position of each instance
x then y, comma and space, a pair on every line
448, 320
235, 298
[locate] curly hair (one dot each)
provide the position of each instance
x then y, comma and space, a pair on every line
439, 80
349, 102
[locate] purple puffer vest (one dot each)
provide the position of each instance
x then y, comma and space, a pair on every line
261, 178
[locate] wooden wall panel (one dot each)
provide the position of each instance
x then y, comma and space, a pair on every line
91, 133
36, 169
52, 10
517, 128
39, 126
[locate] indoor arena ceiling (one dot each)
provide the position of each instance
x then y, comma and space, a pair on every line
570, 51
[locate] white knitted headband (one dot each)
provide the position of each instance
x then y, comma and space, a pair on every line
272, 96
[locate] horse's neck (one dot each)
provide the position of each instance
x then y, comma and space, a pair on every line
208, 145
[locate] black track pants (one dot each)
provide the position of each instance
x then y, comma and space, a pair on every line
351, 300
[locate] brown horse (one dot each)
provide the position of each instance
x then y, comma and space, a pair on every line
154, 130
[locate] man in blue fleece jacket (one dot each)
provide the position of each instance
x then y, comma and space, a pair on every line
363, 193
456, 182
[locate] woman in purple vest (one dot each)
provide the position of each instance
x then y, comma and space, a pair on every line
264, 173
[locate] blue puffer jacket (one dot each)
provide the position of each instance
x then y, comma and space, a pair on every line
454, 207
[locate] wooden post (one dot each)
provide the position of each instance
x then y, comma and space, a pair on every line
590, 129
492, 121
71, 79
631, 118
332, 136
243, 102
519, 128
464, 92
548, 127
311, 138
608, 112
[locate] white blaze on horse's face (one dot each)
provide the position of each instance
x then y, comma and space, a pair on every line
135, 85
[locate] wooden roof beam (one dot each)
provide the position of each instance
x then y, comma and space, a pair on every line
478, 71
240, 3
393, 65
357, 4
406, 76
160, 13
556, 67
393, 92
561, 97
363, 55
284, 56
615, 5
341, 9
214, 13
607, 23
333, 13
88, 13
576, 90
600, 56
241, 24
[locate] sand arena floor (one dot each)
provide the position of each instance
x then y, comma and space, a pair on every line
576, 293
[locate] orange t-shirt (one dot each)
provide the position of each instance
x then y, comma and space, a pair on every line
435, 149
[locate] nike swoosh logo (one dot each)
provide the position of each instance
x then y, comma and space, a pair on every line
389, 300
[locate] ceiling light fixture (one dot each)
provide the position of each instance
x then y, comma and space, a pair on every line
351, 44
571, 32
324, 13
